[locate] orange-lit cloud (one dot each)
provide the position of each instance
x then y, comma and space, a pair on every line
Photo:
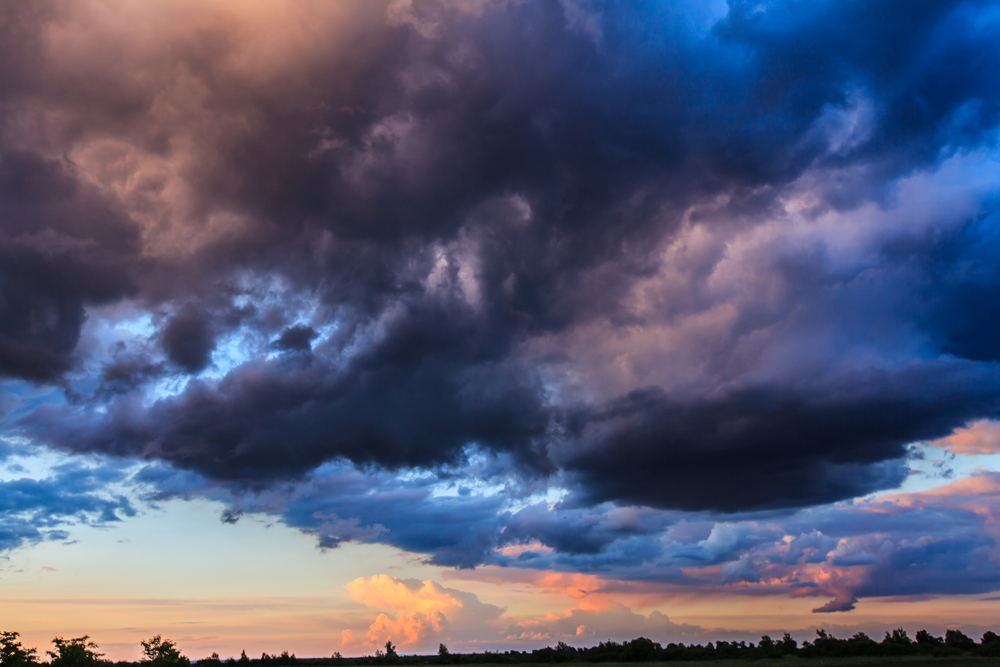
415, 613
420, 609
383, 591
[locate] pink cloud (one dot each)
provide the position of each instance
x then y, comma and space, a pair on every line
978, 437
978, 493
615, 621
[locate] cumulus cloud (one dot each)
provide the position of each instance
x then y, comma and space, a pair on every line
421, 611
64, 246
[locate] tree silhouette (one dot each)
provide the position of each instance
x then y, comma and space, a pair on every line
159, 652
898, 636
78, 652
640, 649
444, 655
924, 637
390, 652
958, 639
13, 654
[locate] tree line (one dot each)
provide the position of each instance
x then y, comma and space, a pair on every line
159, 652
82, 652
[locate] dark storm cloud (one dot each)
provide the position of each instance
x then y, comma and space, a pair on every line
126, 373
296, 338
422, 212
188, 340
62, 247
417, 394
411, 401
757, 448
927, 65
966, 297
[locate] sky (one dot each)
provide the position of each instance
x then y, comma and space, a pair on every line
497, 323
